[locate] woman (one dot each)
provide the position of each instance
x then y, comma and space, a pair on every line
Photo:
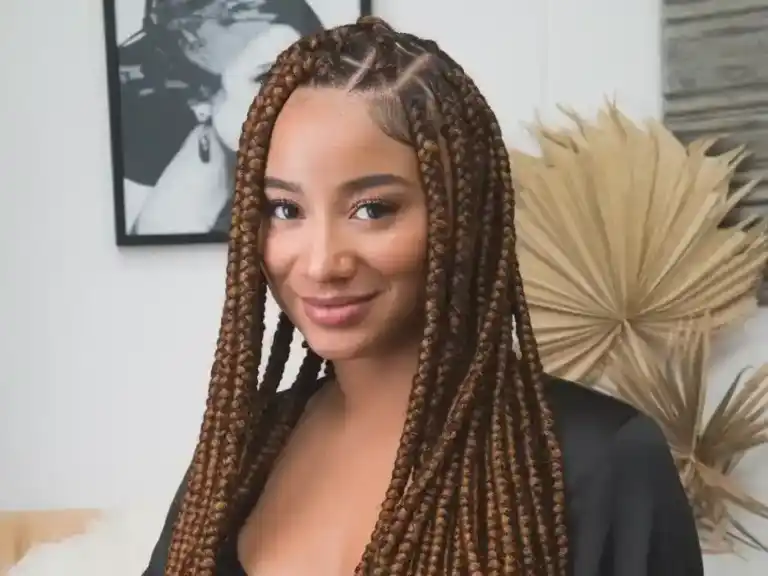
373, 199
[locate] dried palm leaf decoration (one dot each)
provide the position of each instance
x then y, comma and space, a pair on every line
670, 386
619, 237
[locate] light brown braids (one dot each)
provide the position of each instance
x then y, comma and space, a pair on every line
477, 485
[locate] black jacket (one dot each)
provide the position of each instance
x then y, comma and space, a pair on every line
627, 512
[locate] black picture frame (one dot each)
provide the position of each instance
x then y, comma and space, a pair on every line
173, 119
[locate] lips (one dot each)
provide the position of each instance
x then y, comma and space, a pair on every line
337, 311
335, 301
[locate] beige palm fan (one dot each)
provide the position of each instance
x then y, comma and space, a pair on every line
671, 388
619, 235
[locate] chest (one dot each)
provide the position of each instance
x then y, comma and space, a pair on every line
319, 507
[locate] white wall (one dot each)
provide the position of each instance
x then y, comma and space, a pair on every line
104, 354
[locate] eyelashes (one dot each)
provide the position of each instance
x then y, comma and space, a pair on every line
368, 209
282, 209
373, 208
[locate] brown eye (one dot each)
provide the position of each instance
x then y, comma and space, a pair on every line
372, 210
284, 210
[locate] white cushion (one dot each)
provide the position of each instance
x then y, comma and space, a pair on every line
119, 543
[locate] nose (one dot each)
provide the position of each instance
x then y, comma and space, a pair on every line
330, 257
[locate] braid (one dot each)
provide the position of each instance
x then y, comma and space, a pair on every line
477, 485
219, 457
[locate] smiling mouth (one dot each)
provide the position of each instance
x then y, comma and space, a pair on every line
337, 311
334, 301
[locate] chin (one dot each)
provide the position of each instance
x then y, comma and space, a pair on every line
337, 351
339, 346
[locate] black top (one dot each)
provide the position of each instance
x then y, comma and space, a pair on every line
627, 512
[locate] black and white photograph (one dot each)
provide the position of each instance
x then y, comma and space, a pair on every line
181, 77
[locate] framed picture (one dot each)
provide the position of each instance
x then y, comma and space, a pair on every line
181, 77
715, 82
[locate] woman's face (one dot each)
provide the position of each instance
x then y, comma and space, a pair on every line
346, 245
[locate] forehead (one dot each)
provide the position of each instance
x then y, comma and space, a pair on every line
328, 135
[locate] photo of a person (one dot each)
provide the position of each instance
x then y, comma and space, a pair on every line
185, 79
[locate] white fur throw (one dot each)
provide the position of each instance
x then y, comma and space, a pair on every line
119, 543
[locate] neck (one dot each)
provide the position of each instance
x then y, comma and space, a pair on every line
376, 385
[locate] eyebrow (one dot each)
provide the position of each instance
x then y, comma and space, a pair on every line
354, 186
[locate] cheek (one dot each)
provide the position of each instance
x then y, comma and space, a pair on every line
278, 260
402, 257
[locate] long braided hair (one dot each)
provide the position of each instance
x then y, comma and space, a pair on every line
477, 486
